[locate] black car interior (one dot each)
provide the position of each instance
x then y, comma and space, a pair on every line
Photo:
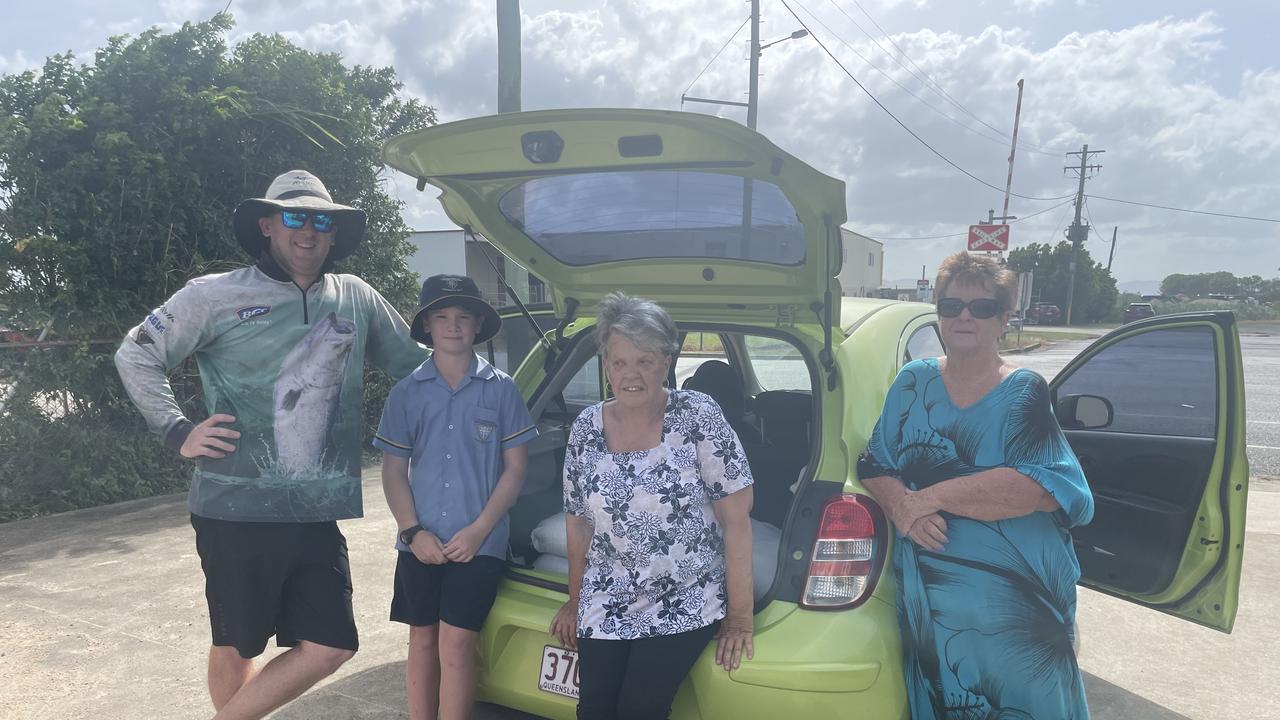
774, 428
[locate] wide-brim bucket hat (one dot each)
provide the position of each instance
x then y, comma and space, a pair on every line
447, 291
298, 190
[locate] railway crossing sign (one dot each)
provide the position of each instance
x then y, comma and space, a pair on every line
989, 238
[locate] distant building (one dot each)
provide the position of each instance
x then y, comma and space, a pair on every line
862, 266
451, 251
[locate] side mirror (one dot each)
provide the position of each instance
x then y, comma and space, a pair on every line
1084, 412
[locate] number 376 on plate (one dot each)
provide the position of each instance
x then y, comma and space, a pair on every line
559, 672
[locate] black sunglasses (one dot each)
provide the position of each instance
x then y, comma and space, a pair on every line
980, 308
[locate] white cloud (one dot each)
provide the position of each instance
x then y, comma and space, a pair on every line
1180, 128
16, 63
1031, 6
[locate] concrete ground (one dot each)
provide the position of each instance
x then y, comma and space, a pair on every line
102, 611
102, 615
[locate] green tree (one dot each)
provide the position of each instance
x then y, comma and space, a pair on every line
117, 183
1218, 283
1095, 290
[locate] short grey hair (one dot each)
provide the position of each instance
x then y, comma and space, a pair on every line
641, 321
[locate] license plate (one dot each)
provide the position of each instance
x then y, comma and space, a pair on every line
559, 673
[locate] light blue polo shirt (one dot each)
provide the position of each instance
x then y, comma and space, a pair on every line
454, 441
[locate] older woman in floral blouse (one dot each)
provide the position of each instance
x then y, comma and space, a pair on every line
658, 493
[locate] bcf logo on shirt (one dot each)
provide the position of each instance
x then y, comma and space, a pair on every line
485, 430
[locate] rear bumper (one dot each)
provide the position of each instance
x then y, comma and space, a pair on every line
840, 665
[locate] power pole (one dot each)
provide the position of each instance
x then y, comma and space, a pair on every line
753, 105
515, 275
508, 56
1008, 185
1112, 255
753, 81
1078, 232
753, 87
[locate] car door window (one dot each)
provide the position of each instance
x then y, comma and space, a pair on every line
515, 339
698, 348
584, 388
778, 365
1162, 382
924, 343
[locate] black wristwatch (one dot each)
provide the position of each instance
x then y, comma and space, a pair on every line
406, 535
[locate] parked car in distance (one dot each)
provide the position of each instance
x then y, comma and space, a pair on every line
592, 200
1044, 314
1138, 311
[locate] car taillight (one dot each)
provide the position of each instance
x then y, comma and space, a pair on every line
846, 554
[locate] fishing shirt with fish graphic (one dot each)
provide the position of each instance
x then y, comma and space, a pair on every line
289, 366
988, 622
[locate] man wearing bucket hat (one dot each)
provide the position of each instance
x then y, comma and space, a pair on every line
453, 438
281, 347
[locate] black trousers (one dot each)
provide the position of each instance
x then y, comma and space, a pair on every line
636, 679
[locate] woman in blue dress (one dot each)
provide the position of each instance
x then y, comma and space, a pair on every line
975, 473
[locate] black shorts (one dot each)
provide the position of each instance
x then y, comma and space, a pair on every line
291, 580
460, 594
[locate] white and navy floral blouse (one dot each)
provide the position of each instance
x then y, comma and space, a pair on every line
656, 561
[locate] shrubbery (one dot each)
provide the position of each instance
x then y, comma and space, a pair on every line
1243, 310
117, 183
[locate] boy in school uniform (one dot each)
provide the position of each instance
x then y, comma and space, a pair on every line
453, 437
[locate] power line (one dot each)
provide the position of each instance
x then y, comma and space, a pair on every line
963, 234
935, 84
928, 82
998, 141
911, 132
1041, 212
970, 175
1057, 229
713, 57
932, 84
1186, 210
921, 237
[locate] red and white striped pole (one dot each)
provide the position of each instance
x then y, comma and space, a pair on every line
1013, 149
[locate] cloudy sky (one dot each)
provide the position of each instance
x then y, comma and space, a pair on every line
1183, 96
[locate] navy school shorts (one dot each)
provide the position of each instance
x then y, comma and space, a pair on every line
460, 594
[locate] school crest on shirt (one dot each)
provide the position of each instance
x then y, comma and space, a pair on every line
485, 430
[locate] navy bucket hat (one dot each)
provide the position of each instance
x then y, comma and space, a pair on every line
447, 291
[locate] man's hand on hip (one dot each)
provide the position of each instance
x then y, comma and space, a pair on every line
209, 440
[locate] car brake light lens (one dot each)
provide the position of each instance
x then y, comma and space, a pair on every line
846, 554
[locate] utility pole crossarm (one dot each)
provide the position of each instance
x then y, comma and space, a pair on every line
709, 101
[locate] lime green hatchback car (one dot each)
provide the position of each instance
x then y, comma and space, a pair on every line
740, 242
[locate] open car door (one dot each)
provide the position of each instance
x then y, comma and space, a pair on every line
1155, 412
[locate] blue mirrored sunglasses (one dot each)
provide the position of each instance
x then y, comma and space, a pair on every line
296, 219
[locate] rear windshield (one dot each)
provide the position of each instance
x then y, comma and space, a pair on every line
589, 218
